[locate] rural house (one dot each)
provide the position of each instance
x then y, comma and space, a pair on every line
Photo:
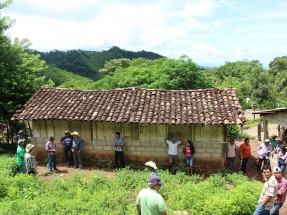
144, 117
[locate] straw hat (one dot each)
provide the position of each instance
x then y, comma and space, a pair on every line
67, 132
75, 133
29, 147
273, 135
266, 141
151, 164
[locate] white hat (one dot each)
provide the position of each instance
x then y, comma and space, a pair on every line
21, 141
266, 141
29, 147
151, 164
75, 133
276, 169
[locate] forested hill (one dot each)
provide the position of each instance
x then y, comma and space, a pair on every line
88, 63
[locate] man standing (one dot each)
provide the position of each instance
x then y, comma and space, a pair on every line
264, 151
245, 152
268, 194
29, 160
67, 141
21, 156
51, 148
77, 148
281, 193
21, 135
172, 150
273, 141
149, 201
119, 151
231, 152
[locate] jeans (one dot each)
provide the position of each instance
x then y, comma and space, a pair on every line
22, 168
52, 162
121, 156
230, 163
275, 209
78, 158
189, 161
281, 166
173, 162
67, 154
244, 164
260, 210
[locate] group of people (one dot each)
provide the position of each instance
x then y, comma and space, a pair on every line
72, 144
25, 158
149, 201
273, 193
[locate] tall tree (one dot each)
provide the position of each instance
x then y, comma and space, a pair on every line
18, 70
161, 73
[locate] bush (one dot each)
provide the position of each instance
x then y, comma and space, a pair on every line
233, 131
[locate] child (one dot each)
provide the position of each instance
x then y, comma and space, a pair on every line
152, 168
188, 151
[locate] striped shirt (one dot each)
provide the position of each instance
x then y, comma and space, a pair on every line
119, 141
270, 188
282, 187
30, 162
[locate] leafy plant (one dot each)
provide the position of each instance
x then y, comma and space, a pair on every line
233, 131
101, 163
110, 164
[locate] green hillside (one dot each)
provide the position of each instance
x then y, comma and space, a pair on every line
88, 63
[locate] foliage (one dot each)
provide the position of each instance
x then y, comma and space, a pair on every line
233, 131
218, 194
88, 63
18, 70
161, 73
65, 79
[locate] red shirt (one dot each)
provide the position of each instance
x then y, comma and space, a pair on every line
245, 149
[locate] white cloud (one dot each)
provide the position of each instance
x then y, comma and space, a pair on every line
61, 4
200, 8
217, 23
239, 30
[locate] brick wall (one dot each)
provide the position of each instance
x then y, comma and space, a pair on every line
142, 142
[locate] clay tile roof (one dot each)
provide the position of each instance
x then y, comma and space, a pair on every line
135, 105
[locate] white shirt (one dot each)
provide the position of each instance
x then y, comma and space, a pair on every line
172, 147
230, 150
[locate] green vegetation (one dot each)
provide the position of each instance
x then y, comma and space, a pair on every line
19, 70
162, 73
88, 63
220, 193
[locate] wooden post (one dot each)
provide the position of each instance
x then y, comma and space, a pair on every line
265, 128
258, 132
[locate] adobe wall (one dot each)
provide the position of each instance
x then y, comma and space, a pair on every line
143, 142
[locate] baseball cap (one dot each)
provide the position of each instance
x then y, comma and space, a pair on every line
276, 169
155, 180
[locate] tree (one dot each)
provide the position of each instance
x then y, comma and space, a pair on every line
111, 66
161, 73
19, 68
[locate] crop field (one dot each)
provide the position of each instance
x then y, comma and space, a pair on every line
220, 193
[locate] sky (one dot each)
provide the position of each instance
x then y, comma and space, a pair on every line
210, 32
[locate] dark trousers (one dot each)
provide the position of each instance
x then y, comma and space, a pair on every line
67, 154
244, 164
121, 156
77, 158
260, 161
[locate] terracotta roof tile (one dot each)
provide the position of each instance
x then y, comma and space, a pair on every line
135, 105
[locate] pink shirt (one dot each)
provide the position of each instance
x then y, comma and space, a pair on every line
187, 151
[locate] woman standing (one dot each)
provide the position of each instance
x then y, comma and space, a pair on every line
188, 151
282, 158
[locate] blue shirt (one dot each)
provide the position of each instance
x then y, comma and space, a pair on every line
77, 144
119, 141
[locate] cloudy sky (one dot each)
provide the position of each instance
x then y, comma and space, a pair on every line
211, 32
